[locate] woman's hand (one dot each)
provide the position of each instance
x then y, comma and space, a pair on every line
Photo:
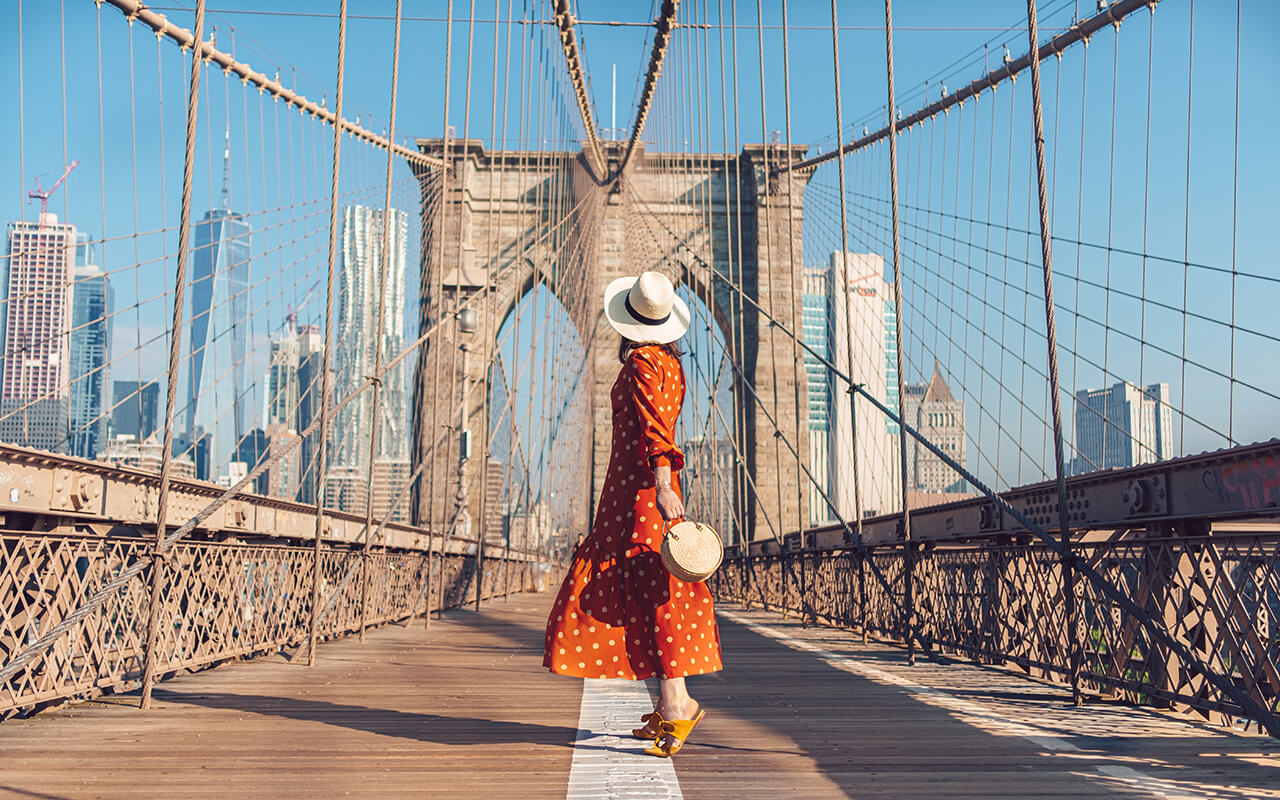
670, 506
669, 503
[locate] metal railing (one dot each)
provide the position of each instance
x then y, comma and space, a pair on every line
1001, 600
221, 601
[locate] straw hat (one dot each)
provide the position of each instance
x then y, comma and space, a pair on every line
646, 309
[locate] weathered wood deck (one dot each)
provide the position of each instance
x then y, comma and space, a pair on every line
466, 708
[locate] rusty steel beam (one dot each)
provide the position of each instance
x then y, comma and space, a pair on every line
134, 10
1080, 32
1237, 483
42, 491
664, 25
577, 74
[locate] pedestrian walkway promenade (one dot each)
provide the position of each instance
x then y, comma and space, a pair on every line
465, 709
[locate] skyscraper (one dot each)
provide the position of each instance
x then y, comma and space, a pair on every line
252, 450
863, 293
91, 306
217, 362
282, 380
357, 344
135, 409
35, 394
935, 412
310, 368
816, 329
890, 357
293, 389
1122, 426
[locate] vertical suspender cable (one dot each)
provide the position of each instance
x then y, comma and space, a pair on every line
1186, 227
843, 278
489, 326
460, 492
437, 306
743, 492
327, 357
768, 250
22, 121
376, 422
175, 346
907, 544
1051, 338
1235, 231
797, 311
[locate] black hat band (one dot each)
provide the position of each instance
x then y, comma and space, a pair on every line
626, 299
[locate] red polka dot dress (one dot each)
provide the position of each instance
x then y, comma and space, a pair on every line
619, 613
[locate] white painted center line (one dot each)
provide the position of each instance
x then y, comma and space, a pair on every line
608, 762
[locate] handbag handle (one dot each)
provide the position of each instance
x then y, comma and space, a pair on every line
666, 527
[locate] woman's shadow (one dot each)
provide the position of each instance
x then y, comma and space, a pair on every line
385, 721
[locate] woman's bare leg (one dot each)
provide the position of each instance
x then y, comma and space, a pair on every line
674, 702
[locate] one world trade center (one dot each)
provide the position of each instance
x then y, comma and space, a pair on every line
217, 367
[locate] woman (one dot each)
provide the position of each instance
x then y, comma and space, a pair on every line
620, 614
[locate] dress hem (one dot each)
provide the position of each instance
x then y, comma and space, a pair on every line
583, 674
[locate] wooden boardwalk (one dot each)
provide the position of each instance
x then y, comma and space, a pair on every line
466, 708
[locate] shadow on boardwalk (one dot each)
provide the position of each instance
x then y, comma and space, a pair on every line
874, 727
417, 726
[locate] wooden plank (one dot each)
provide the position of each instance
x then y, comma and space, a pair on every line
466, 705
855, 721
466, 708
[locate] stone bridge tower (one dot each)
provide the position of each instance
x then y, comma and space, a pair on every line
511, 220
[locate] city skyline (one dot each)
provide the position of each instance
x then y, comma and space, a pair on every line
88, 425
276, 157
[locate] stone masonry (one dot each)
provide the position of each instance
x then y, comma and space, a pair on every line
503, 221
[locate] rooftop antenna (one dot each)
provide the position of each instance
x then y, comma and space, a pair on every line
43, 196
613, 106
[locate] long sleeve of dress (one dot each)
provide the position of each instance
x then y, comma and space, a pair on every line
657, 397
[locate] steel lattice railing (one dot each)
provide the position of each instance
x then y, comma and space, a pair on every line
1002, 603
221, 601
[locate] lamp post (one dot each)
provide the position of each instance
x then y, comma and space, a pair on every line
468, 322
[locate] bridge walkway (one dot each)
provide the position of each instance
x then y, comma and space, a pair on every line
466, 708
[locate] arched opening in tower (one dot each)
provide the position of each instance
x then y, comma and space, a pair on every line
540, 426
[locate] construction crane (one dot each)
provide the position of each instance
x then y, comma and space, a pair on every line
43, 196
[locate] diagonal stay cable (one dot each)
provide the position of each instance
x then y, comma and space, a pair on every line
127, 574
1106, 587
860, 545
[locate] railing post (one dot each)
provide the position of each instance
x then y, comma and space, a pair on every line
506, 573
175, 344
326, 359
1051, 339
785, 567
804, 583
862, 591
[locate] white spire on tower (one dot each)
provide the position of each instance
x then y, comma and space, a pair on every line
226, 170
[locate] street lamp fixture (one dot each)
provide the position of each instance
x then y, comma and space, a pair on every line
468, 320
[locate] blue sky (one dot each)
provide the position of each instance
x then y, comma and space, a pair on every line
70, 98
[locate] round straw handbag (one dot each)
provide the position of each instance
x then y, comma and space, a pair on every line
692, 551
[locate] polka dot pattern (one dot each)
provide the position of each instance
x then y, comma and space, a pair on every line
618, 601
